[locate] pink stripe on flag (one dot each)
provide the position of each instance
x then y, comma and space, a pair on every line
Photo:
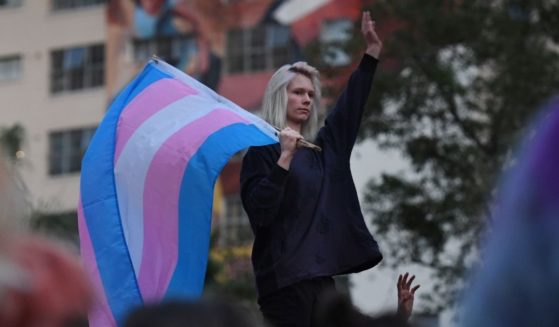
100, 315
154, 98
161, 195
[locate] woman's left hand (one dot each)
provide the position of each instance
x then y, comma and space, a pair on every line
374, 44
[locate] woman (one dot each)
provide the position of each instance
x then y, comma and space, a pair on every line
302, 204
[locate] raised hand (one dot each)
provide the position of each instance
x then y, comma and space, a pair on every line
374, 44
405, 295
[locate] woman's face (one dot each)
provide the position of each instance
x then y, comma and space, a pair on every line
300, 96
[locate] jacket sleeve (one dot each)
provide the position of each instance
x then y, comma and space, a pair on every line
342, 124
262, 186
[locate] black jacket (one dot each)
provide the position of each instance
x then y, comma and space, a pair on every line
307, 221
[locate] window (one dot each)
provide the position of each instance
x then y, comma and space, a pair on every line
174, 50
260, 48
333, 36
10, 68
67, 149
63, 225
9, 3
72, 4
235, 227
77, 68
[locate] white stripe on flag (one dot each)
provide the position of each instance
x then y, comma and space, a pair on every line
132, 166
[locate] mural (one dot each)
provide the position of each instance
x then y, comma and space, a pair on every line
191, 35
181, 32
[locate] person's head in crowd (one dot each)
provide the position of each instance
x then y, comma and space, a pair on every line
194, 313
45, 286
517, 281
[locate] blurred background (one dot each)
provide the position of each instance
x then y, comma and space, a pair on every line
458, 83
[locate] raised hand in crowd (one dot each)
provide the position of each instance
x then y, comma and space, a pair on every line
406, 294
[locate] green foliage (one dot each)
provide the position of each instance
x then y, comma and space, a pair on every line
229, 273
458, 83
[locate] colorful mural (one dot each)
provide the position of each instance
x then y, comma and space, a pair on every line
192, 34
181, 32
195, 35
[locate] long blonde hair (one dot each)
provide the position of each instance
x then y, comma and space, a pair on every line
274, 105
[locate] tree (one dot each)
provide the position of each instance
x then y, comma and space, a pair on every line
458, 83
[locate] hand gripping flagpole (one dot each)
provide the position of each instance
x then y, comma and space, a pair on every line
304, 143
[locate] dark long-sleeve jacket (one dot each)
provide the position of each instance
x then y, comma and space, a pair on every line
307, 221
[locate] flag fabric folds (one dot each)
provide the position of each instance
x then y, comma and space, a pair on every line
147, 185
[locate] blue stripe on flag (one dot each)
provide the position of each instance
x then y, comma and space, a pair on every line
196, 200
100, 203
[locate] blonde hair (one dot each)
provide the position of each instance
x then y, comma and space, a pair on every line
274, 105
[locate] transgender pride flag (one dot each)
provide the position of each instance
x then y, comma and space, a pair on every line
147, 188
